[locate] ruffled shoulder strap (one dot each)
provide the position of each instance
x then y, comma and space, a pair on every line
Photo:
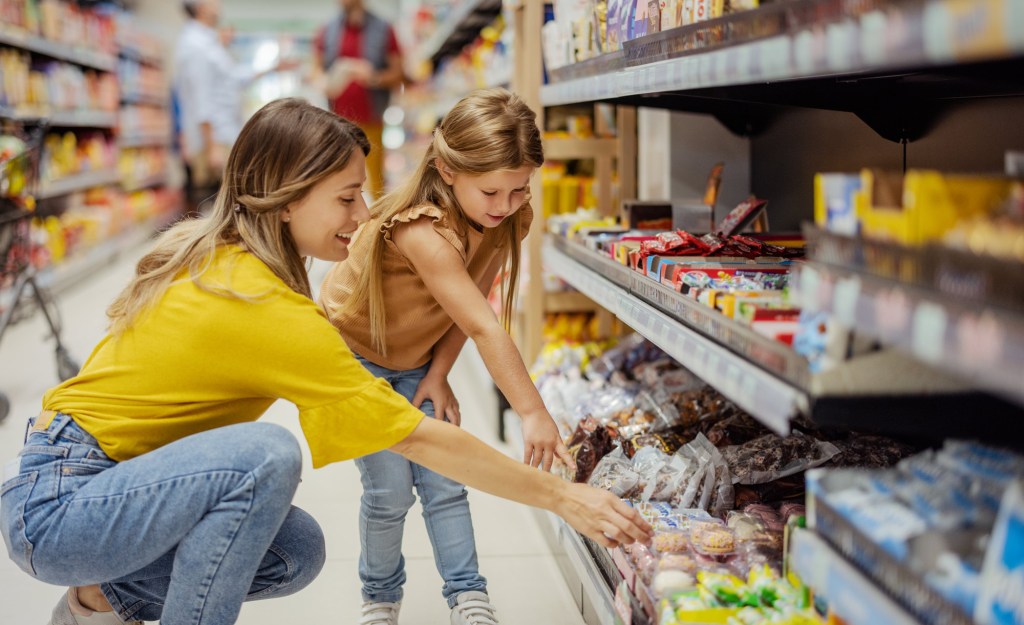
439, 220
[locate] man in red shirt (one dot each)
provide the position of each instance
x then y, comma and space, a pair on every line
359, 62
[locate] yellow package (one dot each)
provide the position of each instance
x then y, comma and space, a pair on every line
924, 205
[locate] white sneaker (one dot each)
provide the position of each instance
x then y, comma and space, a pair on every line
62, 614
380, 613
473, 608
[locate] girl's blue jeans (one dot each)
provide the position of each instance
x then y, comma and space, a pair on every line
182, 535
388, 482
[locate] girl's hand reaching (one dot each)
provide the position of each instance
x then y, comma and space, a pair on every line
437, 390
542, 443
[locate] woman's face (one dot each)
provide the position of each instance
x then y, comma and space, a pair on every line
488, 199
323, 222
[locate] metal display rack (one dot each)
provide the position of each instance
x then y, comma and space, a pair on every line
62, 119
953, 309
77, 182
875, 563
850, 592
899, 66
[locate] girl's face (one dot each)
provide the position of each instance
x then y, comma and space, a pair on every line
488, 199
323, 222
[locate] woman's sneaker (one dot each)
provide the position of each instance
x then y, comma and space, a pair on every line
473, 608
380, 613
62, 614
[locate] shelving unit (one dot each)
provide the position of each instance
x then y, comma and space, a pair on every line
51, 193
55, 50
458, 29
899, 66
77, 182
102, 120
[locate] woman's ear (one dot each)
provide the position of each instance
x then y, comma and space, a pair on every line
444, 170
286, 215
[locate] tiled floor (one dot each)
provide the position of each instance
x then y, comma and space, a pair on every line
524, 581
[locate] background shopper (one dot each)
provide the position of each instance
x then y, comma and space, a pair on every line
357, 59
208, 86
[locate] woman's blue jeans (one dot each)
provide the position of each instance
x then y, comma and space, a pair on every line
388, 481
182, 535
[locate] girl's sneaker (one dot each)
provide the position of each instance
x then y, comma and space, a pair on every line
62, 614
473, 608
380, 613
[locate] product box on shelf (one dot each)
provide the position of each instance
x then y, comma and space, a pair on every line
924, 205
1001, 599
922, 528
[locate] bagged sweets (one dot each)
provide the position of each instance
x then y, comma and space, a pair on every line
614, 473
771, 457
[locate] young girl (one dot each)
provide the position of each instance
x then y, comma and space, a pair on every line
146, 485
405, 302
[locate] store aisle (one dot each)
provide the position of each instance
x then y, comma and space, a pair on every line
524, 580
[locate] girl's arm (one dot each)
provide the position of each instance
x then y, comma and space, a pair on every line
441, 268
435, 385
462, 457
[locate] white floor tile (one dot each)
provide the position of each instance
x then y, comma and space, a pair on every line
524, 582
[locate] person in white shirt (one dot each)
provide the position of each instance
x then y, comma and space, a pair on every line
208, 84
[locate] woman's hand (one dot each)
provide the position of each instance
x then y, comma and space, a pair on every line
436, 389
602, 516
541, 442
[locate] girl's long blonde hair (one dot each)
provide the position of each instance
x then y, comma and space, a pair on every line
488, 130
284, 150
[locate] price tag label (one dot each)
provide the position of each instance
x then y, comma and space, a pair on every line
803, 52
938, 35
743, 71
808, 289
844, 299
713, 362
980, 339
873, 27
775, 57
893, 311
929, 332
842, 39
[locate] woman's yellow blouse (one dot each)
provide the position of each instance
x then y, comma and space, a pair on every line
199, 360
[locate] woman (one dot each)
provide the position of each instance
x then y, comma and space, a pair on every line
145, 484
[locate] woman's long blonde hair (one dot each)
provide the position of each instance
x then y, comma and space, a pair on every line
284, 150
488, 130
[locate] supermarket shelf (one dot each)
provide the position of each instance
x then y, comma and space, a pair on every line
784, 53
146, 99
565, 148
873, 561
595, 587
458, 29
139, 57
156, 180
848, 592
78, 182
62, 119
566, 301
981, 343
64, 52
73, 269
145, 141
770, 399
955, 274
